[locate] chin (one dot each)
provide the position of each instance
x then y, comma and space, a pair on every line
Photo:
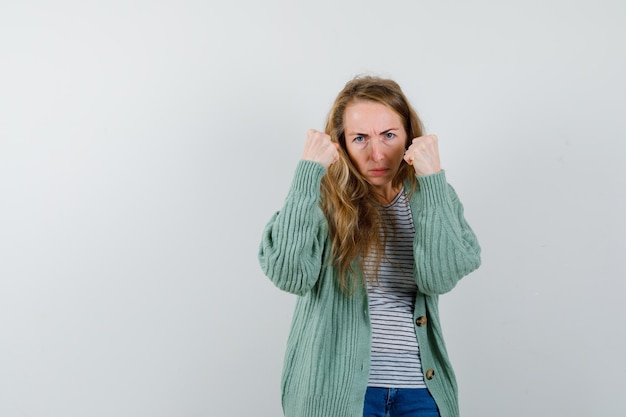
379, 182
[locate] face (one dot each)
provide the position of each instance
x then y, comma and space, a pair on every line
375, 141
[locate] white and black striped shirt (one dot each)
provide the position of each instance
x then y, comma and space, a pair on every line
395, 360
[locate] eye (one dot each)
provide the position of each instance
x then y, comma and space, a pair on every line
390, 135
358, 139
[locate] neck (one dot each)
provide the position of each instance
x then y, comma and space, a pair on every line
387, 196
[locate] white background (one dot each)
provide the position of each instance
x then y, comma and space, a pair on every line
144, 145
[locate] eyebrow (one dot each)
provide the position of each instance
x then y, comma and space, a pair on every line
365, 134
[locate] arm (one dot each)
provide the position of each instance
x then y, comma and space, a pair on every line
291, 251
292, 245
445, 247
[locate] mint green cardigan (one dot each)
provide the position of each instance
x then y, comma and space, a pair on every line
327, 359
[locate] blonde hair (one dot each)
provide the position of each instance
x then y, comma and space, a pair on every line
348, 200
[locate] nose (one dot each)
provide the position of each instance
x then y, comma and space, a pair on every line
377, 150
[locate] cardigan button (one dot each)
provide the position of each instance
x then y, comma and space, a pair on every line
430, 374
421, 321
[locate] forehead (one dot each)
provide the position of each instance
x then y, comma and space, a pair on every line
368, 115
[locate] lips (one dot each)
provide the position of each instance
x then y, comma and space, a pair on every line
379, 171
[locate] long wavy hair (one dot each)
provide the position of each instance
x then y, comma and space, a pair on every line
348, 200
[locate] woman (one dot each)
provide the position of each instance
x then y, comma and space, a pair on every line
369, 235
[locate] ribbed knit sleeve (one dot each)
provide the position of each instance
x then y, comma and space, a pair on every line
292, 245
445, 246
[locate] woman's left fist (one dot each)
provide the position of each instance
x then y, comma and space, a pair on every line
423, 154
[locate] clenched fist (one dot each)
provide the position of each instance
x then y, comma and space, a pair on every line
423, 154
318, 147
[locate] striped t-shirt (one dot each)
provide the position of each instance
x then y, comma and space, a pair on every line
395, 360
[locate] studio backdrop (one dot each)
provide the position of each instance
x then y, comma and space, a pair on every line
145, 144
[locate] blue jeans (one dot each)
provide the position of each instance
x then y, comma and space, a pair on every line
399, 402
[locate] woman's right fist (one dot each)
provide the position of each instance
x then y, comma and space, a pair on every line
318, 147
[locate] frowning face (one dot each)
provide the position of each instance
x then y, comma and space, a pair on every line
375, 141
